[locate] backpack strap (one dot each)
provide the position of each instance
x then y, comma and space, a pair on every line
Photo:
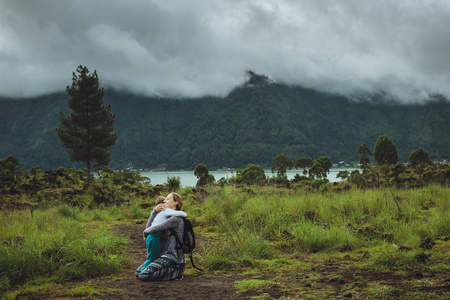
180, 247
179, 243
192, 262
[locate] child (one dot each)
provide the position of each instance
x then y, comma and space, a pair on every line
153, 241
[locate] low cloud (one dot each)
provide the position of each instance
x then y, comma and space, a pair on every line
196, 48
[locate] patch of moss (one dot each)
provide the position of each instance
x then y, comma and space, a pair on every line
243, 286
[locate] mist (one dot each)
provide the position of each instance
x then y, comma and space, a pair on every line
199, 48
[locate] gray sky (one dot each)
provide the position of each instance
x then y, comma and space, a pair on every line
203, 47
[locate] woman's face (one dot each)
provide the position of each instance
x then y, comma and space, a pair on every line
170, 202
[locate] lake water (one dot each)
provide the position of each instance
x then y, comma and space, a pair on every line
188, 178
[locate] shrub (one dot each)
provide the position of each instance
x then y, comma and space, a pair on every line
279, 181
66, 210
419, 156
174, 183
136, 211
252, 174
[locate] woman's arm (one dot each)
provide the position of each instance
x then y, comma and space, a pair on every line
158, 208
176, 213
171, 222
151, 218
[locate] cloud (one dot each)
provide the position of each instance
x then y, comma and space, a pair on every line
195, 48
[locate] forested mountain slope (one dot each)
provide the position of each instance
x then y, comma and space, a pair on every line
251, 125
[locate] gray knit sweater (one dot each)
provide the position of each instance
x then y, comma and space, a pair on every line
169, 245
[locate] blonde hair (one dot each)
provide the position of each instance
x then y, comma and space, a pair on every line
159, 200
179, 200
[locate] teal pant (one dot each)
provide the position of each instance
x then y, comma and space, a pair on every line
153, 242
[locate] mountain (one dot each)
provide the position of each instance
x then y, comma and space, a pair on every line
253, 124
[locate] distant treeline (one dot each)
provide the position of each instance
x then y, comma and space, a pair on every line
253, 124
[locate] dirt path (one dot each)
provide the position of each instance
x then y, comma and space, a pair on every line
334, 279
191, 287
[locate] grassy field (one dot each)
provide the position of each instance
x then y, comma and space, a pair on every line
367, 243
279, 235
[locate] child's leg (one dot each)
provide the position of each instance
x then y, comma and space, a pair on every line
153, 243
153, 247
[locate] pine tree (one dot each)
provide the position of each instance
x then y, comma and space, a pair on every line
88, 131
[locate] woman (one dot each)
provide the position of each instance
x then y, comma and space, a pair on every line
170, 264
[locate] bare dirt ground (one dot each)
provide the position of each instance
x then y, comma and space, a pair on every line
191, 287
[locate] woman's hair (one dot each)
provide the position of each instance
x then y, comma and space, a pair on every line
179, 200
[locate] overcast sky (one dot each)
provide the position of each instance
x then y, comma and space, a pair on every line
192, 48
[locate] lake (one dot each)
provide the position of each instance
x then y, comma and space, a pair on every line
188, 178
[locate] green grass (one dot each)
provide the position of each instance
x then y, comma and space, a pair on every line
243, 286
299, 240
49, 290
55, 243
291, 233
317, 222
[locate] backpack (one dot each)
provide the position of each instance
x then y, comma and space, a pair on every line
188, 242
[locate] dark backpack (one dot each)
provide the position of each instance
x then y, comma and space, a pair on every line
188, 242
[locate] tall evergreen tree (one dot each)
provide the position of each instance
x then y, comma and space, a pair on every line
385, 151
88, 131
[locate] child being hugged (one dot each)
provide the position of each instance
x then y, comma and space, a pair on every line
153, 240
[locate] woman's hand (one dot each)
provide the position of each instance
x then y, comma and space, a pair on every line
159, 207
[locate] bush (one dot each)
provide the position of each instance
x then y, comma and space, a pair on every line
174, 183
136, 212
65, 210
252, 174
279, 181
297, 178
